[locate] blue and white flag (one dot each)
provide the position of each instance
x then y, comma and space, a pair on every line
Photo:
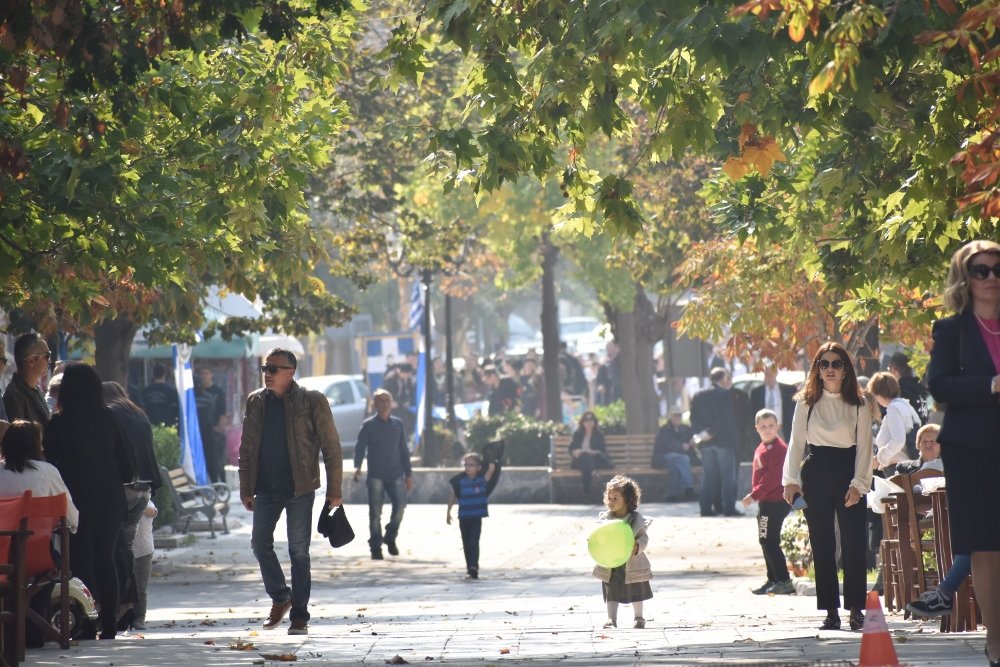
416, 306
421, 396
192, 450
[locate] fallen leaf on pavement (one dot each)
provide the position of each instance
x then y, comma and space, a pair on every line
240, 645
209, 642
397, 660
504, 651
280, 657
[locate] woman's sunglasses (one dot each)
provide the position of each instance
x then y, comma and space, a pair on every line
982, 271
826, 363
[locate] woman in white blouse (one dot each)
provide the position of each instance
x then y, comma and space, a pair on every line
25, 470
900, 420
829, 463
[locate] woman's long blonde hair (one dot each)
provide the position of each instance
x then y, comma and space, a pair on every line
956, 291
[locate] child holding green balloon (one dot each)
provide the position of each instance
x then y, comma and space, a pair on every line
625, 574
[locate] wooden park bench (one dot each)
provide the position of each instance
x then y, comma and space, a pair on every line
630, 454
189, 499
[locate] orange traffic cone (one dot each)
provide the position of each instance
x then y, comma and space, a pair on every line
876, 644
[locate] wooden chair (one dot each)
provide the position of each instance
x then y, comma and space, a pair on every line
905, 563
889, 556
47, 521
13, 538
921, 533
897, 557
965, 616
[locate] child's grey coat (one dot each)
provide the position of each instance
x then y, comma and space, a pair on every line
637, 568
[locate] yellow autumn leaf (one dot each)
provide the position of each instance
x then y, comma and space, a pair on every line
797, 28
822, 81
759, 158
770, 146
736, 168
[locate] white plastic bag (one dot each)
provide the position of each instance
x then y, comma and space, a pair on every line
881, 489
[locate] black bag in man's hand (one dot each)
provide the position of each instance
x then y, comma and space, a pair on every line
335, 527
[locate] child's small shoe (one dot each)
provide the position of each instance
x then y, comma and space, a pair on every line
610, 624
640, 623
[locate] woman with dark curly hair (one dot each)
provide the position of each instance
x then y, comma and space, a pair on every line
964, 375
829, 464
84, 443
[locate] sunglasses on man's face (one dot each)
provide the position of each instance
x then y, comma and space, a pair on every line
983, 271
837, 364
271, 369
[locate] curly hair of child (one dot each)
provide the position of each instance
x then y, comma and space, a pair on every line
628, 487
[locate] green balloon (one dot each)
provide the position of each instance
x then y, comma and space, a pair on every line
610, 543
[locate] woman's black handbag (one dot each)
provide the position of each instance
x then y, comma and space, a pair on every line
335, 527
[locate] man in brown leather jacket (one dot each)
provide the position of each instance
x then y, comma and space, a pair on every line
23, 398
284, 429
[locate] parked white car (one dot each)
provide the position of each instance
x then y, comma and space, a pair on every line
747, 382
348, 397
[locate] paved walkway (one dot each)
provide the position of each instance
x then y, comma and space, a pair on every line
536, 603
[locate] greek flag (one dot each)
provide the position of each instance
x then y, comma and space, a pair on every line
421, 397
192, 451
416, 306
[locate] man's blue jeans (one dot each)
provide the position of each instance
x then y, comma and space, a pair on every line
719, 483
377, 490
679, 472
298, 517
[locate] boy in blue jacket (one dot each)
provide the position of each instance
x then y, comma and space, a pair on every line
470, 490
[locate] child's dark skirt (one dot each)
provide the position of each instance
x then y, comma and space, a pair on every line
617, 590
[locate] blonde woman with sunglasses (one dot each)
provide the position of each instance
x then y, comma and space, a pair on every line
964, 375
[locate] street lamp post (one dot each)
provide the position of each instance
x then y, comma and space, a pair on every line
449, 365
426, 275
395, 251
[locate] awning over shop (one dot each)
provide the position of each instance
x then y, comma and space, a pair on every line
220, 305
213, 348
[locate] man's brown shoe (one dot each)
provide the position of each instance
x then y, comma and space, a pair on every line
299, 627
278, 612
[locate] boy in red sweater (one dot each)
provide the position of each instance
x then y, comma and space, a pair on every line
766, 489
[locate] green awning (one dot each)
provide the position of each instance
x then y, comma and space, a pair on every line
239, 347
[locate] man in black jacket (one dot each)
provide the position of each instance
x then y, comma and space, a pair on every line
777, 397
671, 451
713, 419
